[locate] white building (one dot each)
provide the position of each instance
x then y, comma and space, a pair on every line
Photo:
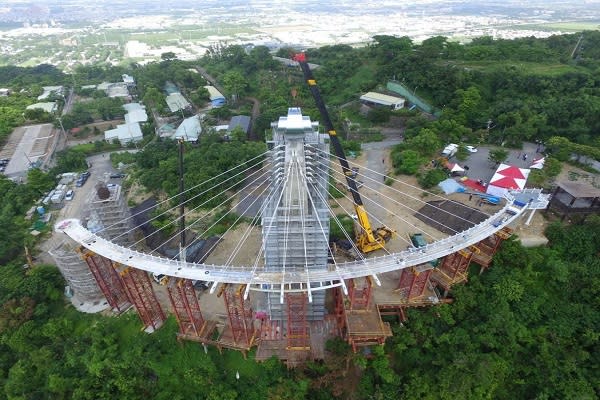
51, 90
128, 80
190, 129
49, 107
375, 98
134, 116
177, 102
124, 133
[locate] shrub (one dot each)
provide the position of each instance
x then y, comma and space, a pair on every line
432, 177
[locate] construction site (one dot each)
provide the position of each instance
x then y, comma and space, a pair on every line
277, 285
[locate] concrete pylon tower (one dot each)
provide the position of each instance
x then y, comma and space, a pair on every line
76, 272
295, 224
109, 214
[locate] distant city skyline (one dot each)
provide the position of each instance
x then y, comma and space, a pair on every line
68, 32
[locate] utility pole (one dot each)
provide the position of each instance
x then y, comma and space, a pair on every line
182, 255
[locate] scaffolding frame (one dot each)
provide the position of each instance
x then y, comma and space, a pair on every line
108, 280
360, 298
139, 287
358, 318
186, 308
413, 282
298, 337
239, 313
453, 269
489, 246
68, 258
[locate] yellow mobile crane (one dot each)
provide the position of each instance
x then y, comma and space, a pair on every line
367, 240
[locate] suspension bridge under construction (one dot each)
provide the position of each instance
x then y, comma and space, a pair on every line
294, 288
300, 289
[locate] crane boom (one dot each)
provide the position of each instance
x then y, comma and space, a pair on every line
366, 239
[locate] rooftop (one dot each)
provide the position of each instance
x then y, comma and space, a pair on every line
579, 189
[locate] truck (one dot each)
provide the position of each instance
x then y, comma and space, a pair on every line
450, 150
418, 240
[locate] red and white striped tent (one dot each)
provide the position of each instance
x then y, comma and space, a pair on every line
454, 167
507, 177
538, 164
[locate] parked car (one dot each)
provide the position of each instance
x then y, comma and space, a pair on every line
118, 175
471, 149
69, 196
82, 178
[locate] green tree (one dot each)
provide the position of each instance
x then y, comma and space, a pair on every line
379, 115
39, 181
498, 156
154, 99
238, 134
407, 162
462, 153
69, 161
469, 107
235, 83
168, 56
426, 142
432, 178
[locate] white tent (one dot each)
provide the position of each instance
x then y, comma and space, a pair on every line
453, 167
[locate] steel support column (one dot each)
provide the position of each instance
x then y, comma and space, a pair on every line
108, 280
413, 283
239, 314
141, 293
186, 307
297, 328
360, 299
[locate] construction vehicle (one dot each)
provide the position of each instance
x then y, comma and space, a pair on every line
367, 239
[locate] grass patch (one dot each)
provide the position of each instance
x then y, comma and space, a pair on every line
98, 146
573, 26
525, 67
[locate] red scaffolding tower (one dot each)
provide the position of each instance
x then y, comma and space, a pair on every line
186, 309
297, 328
489, 246
340, 311
453, 269
240, 332
108, 280
360, 298
358, 318
140, 291
414, 281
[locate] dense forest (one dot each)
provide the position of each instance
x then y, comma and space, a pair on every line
527, 328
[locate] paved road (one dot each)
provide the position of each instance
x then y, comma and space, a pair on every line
378, 164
